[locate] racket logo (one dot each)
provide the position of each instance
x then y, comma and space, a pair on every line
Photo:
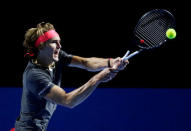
142, 41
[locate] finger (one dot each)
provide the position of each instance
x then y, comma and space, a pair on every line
114, 67
126, 61
118, 59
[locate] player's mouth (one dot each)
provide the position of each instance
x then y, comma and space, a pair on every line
56, 52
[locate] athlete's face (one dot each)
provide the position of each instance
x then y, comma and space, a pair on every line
51, 50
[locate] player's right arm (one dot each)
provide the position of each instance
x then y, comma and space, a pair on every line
75, 97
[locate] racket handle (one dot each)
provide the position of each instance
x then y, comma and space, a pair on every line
126, 54
131, 55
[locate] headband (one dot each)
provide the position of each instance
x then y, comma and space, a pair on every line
46, 36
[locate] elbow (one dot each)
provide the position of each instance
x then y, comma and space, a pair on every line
69, 103
71, 106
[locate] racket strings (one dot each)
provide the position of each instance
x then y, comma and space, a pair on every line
152, 29
153, 34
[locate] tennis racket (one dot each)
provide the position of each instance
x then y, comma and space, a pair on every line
150, 31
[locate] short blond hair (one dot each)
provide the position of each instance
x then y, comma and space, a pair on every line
32, 34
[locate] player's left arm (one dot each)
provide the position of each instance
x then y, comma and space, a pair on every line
91, 63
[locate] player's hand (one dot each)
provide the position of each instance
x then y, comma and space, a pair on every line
118, 64
109, 73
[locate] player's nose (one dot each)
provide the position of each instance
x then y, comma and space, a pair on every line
58, 46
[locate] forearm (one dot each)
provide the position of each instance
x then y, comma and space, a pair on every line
75, 97
97, 64
90, 64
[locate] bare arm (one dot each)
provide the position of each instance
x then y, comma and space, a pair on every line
78, 95
91, 64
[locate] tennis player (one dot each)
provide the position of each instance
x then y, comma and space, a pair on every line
42, 77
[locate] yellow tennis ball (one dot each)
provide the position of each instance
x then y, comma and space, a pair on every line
171, 33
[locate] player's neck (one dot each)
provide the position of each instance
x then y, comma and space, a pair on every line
43, 63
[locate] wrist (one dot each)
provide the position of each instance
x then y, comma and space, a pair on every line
109, 62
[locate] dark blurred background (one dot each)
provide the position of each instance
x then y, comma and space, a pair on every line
100, 31
143, 94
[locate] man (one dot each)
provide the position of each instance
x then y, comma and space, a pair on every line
42, 77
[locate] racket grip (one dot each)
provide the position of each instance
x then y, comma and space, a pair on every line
126, 54
131, 55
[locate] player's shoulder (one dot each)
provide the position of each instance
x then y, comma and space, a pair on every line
33, 70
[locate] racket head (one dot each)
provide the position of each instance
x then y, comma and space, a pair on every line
150, 31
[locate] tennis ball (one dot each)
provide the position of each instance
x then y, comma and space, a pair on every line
171, 33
